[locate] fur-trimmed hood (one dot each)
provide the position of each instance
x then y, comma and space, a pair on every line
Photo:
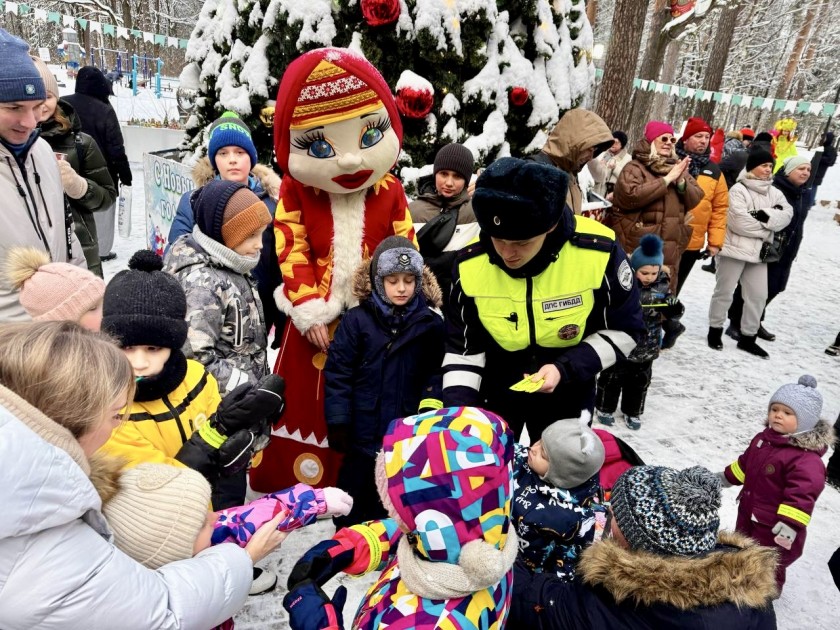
818, 439
362, 288
738, 571
202, 173
105, 473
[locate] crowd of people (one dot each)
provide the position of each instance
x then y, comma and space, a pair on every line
417, 342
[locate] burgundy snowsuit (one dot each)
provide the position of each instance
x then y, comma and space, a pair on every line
782, 477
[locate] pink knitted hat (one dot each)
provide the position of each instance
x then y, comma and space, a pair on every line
656, 128
52, 291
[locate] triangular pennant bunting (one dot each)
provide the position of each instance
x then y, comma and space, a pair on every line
108, 29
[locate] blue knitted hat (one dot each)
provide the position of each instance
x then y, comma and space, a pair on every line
668, 511
19, 78
649, 252
229, 131
804, 399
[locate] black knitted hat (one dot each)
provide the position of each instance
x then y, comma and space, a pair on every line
621, 137
758, 155
517, 199
144, 306
455, 157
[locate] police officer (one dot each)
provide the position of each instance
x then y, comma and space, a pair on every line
543, 293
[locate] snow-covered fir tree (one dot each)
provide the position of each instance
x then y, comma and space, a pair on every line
494, 74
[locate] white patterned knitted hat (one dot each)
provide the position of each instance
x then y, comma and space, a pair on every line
158, 512
804, 399
667, 511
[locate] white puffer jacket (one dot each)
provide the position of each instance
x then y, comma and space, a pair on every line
744, 233
58, 566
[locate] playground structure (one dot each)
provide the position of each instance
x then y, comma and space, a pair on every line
138, 71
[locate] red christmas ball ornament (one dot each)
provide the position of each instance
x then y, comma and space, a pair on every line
519, 96
380, 12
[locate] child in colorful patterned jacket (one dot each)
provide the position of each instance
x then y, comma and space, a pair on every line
782, 472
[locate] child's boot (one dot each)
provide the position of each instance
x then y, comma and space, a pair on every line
605, 418
263, 581
673, 329
633, 422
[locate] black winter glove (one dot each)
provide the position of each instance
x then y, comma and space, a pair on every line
674, 308
761, 216
338, 436
247, 406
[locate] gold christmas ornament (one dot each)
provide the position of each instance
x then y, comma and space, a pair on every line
267, 116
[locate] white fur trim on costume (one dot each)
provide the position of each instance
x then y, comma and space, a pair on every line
348, 213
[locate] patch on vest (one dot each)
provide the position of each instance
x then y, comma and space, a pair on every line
550, 306
569, 331
625, 275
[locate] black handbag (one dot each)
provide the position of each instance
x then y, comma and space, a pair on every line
772, 251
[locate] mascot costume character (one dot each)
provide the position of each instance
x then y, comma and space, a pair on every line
337, 133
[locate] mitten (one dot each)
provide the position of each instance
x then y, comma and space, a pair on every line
212, 454
75, 186
323, 561
310, 608
674, 308
338, 436
760, 215
248, 405
785, 535
339, 503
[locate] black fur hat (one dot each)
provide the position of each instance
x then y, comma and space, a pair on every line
518, 199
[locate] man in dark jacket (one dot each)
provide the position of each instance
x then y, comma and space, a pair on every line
827, 160
662, 564
99, 120
543, 293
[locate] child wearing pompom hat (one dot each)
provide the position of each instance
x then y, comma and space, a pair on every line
55, 291
630, 380
782, 472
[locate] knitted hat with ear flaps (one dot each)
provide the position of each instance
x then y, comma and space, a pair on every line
516, 199
145, 306
158, 512
395, 254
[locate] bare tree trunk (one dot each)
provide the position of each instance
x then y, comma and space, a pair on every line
592, 11
718, 56
810, 52
669, 72
617, 85
651, 63
796, 53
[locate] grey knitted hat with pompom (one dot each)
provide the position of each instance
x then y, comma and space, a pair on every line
668, 511
804, 399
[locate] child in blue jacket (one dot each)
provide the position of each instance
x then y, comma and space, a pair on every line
380, 364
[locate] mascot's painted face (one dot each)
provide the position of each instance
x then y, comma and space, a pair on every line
345, 156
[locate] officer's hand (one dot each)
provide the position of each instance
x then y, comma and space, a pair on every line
550, 374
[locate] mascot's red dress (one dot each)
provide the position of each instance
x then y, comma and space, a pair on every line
337, 133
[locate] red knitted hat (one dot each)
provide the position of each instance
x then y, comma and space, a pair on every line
656, 128
747, 133
695, 125
324, 86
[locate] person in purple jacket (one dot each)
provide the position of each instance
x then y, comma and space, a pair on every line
783, 473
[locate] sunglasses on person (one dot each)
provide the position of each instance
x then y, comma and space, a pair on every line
667, 139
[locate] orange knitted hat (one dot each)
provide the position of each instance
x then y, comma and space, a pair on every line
244, 213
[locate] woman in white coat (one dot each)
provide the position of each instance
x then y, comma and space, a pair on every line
757, 211
62, 390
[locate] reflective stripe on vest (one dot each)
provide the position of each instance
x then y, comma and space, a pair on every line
558, 300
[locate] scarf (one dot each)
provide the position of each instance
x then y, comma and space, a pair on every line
480, 566
156, 387
224, 256
698, 160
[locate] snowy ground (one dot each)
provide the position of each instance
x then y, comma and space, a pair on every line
703, 408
